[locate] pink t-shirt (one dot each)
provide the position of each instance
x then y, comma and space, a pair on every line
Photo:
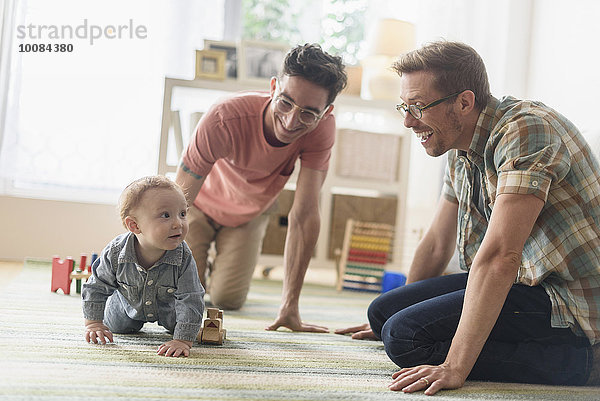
244, 174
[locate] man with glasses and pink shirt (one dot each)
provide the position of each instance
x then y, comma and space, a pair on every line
242, 154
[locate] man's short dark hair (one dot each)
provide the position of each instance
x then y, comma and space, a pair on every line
310, 62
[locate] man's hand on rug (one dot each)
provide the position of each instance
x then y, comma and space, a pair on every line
96, 332
292, 321
361, 332
430, 379
175, 348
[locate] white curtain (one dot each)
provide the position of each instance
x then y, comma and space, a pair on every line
82, 124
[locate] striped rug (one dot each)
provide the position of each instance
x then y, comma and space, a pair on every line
43, 355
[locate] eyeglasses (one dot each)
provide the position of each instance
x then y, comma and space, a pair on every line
286, 106
417, 111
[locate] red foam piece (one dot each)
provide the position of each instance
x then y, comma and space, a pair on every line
61, 271
82, 266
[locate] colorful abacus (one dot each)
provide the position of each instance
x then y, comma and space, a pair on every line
367, 249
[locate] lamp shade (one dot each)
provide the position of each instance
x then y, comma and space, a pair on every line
388, 40
392, 37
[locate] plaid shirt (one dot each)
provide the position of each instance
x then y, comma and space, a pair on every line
524, 147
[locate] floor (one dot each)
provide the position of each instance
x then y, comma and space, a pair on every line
314, 275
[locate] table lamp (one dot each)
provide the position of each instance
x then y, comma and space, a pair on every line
389, 39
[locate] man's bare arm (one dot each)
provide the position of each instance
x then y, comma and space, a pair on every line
437, 246
303, 232
190, 182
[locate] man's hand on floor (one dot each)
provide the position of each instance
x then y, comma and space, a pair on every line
361, 332
291, 320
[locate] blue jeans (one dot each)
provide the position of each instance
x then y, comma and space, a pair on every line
119, 322
418, 321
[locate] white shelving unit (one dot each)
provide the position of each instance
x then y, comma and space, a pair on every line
354, 116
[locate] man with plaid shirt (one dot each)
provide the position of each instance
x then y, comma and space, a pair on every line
521, 202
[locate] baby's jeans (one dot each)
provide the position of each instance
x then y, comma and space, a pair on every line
117, 320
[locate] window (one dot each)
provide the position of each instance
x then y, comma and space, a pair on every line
338, 25
81, 124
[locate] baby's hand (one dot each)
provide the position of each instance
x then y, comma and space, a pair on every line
175, 348
97, 333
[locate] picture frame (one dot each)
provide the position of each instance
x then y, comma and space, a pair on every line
231, 50
210, 64
259, 61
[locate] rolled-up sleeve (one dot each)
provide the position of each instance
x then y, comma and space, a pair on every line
524, 182
530, 156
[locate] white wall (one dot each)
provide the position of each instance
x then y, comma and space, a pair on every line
42, 228
563, 72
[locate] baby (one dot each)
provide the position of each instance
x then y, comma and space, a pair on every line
147, 274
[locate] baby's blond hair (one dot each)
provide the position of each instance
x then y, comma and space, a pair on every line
132, 194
